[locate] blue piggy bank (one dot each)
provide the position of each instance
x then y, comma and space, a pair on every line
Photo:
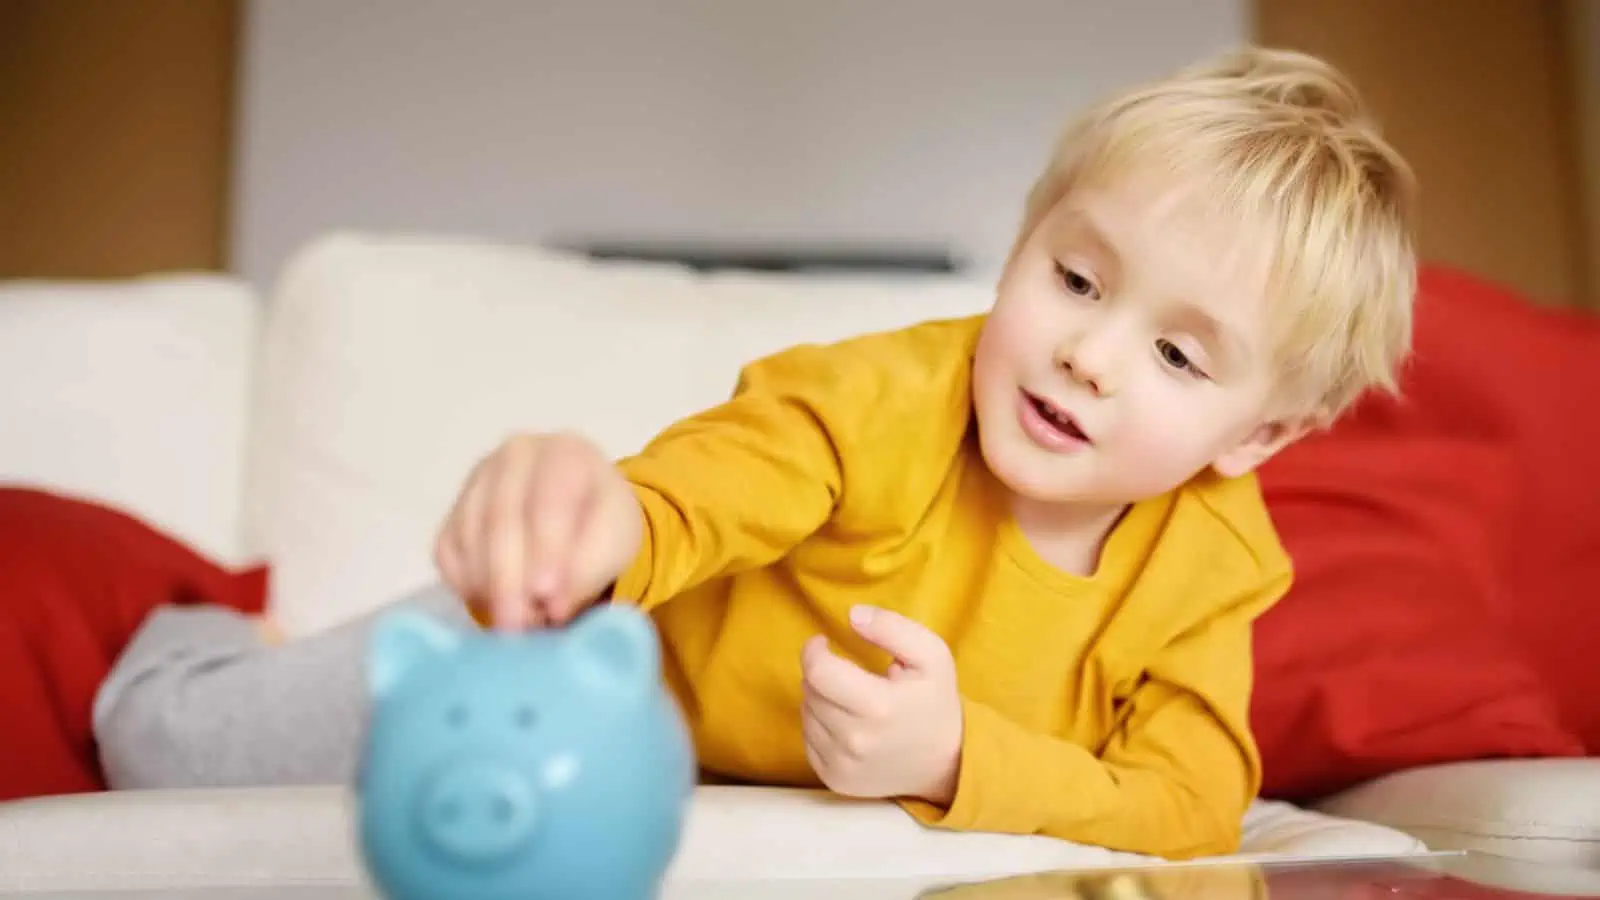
552, 764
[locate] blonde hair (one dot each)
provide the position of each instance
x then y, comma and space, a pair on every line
1286, 146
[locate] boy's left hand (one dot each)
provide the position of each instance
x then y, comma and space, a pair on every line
893, 735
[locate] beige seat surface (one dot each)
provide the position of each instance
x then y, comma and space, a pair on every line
284, 837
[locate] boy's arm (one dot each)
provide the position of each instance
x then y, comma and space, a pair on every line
1174, 779
738, 485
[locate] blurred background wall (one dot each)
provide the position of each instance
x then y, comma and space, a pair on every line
903, 122
220, 134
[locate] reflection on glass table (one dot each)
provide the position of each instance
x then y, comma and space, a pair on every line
1439, 876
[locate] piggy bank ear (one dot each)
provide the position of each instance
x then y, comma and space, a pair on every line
402, 641
613, 647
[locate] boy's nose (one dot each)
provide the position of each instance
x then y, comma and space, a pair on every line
1088, 361
1084, 377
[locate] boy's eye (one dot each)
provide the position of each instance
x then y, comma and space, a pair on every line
1173, 356
1076, 283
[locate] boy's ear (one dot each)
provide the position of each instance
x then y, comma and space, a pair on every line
1260, 445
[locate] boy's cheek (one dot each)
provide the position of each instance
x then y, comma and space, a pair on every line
1154, 454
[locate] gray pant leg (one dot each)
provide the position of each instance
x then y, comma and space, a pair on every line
198, 699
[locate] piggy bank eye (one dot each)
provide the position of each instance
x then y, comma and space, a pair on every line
524, 716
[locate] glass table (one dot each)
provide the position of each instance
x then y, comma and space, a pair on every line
1444, 876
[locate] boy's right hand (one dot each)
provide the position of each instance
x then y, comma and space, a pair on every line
543, 526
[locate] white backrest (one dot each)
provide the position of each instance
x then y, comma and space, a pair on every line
392, 364
133, 393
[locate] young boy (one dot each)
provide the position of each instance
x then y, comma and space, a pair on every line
1004, 570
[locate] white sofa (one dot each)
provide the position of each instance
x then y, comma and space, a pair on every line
324, 424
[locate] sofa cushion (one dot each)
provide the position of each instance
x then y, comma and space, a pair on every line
220, 838
76, 579
134, 393
1541, 810
392, 364
1386, 653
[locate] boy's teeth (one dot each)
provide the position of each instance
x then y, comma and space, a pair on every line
1057, 418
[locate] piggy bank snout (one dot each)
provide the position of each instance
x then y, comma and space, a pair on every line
478, 812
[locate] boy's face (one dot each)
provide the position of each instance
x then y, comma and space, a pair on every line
1127, 351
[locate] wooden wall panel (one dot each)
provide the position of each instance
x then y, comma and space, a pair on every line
1477, 94
116, 123
1583, 34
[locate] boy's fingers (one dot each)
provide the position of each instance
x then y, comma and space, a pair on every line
466, 531
447, 554
561, 486
818, 736
832, 716
913, 645
834, 678
534, 616
816, 745
447, 559
585, 551
504, 534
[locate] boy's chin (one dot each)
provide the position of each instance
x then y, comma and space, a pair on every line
1032, 476
1031, 479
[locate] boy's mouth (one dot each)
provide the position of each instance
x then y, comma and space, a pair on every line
1062, 427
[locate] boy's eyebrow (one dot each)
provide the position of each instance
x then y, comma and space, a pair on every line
1080, 221
1213, 332
1094, 232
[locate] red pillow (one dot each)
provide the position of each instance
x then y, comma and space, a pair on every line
1491, 363
1386, 652
76, 579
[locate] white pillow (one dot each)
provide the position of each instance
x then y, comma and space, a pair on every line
392, 364
133, 393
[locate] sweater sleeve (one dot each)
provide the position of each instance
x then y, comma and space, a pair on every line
1173, 780
737, 486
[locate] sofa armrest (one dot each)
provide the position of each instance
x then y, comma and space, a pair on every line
1542, 810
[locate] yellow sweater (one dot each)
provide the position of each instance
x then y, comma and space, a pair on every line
1108, 710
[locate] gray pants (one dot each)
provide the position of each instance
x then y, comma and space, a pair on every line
199, 699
